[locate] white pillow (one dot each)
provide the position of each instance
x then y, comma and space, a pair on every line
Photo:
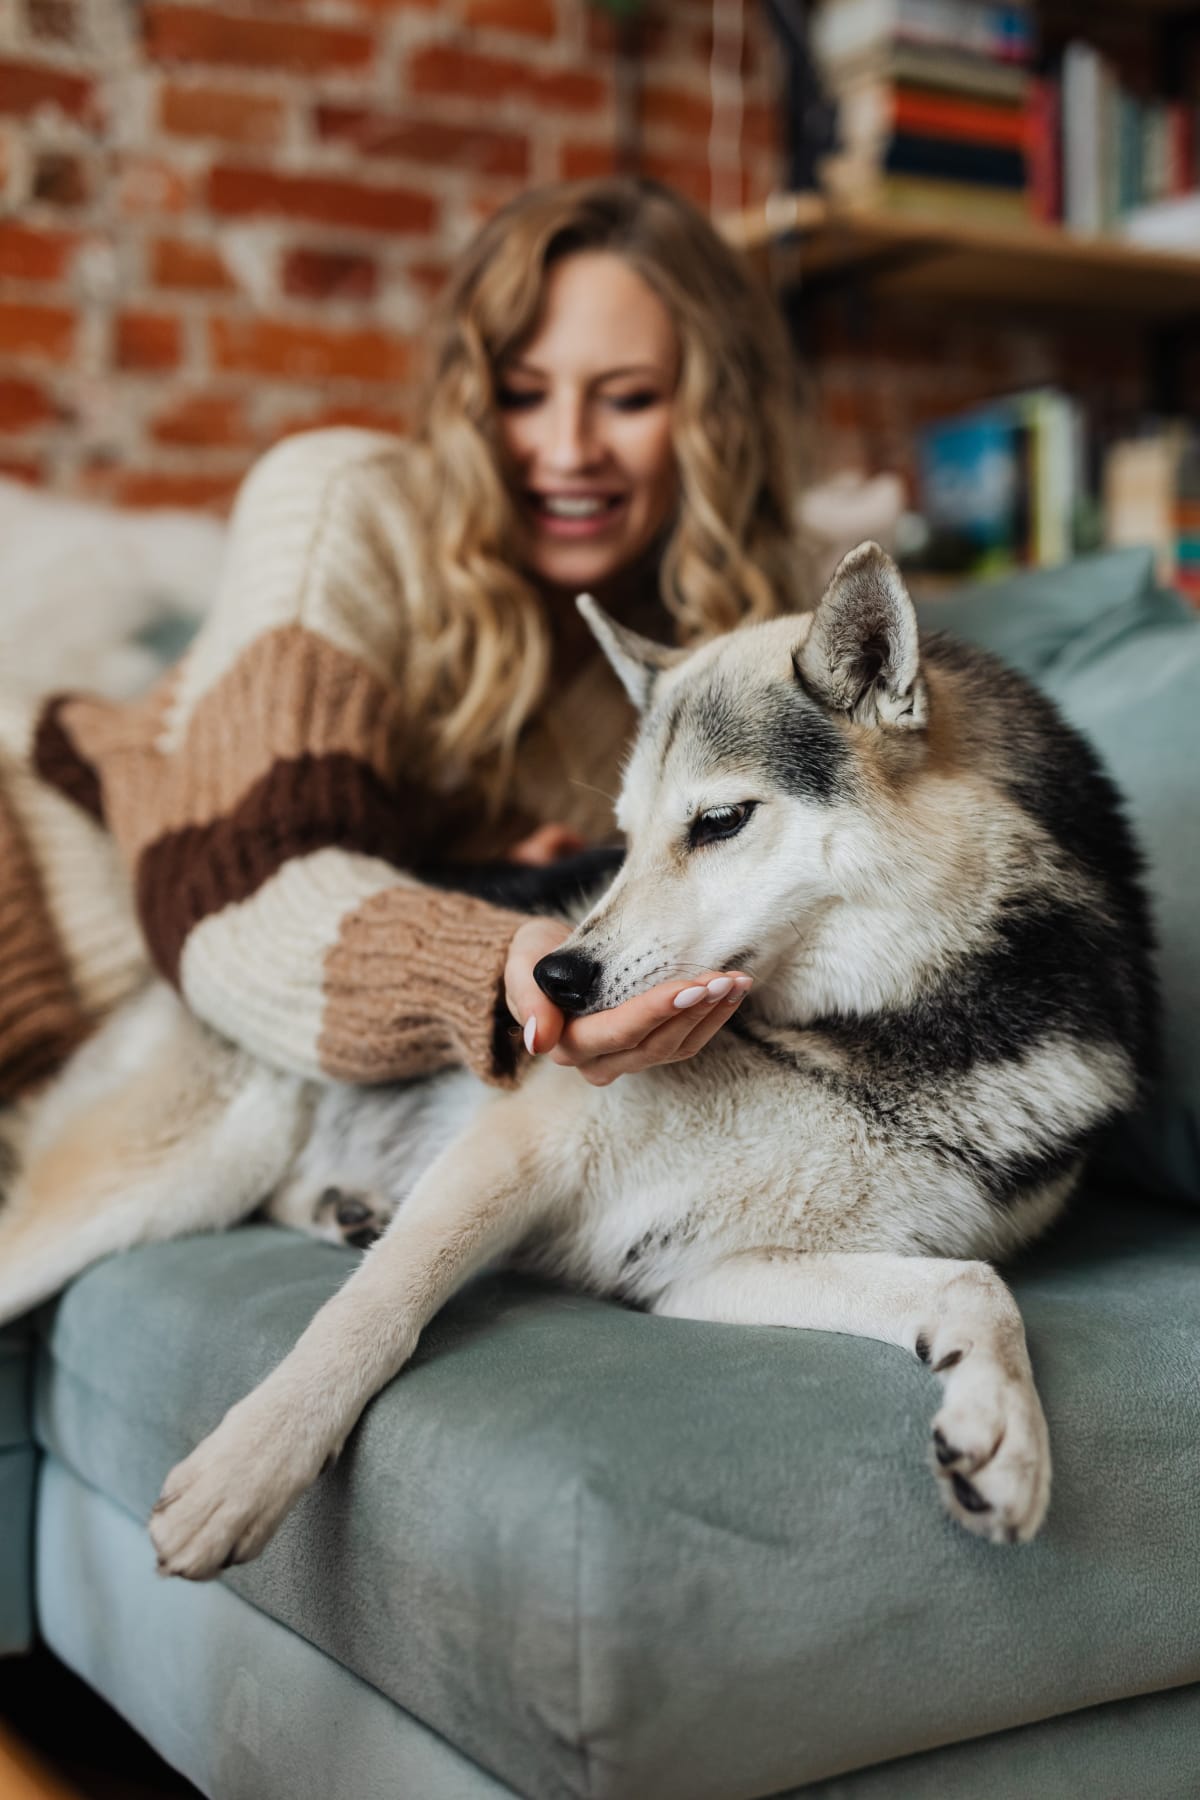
80, 582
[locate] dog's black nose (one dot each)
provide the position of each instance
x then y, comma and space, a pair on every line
568, 978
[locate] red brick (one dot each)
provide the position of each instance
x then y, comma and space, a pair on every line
61, 179
586, 162
327, 199
646, 38
687, 174
53, 21
675, 109
204, 420
445, 69
235, 118
307, 352
329, 275
28, 469
147, 184
197, 34
425, 140
370, 418
761, 126
148, 341
534, 18
24, 404
699, 54
179, 263
154, 488
36, 331
26, 87
430, 277
29, 255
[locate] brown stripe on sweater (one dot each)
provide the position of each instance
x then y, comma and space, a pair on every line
41, 1017
166, 766
300, 806
58, 760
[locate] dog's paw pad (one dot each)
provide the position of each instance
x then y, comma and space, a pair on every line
991, 1452
354, 1218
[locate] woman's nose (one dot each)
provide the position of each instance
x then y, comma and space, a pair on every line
571, 443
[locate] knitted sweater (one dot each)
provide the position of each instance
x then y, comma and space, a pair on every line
248, 825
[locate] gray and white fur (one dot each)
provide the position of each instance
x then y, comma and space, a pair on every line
932, 884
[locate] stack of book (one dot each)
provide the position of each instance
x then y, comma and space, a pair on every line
1006, 485
1151, 490
1098, 151
933, 104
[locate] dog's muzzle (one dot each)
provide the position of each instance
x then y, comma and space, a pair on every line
569, 978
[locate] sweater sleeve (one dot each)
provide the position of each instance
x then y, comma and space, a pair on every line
261, 802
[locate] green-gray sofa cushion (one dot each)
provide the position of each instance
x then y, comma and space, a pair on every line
1122, 659
293, 1724
18, 1470
608, 1554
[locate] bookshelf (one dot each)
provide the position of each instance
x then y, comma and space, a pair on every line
816, 245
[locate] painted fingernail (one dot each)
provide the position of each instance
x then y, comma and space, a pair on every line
744, 982
690, 996
718, 988
531, 1034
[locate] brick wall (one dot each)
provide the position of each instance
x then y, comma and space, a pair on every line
222, 222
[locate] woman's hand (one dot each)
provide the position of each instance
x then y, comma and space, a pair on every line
546, 845
651, 1028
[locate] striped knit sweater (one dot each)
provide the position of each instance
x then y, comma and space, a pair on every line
247, 827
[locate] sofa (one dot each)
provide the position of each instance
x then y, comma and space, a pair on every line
576, 1551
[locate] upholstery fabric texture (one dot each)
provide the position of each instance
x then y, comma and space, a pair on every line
606, 1554
178, 1661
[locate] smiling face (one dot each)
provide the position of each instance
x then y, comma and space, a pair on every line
585, 415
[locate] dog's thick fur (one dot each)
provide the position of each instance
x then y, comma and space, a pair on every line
931, 882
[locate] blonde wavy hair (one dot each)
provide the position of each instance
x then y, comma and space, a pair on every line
482, 642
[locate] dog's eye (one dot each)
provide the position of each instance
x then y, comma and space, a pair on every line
719, 822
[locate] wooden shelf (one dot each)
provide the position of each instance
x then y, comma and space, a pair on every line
808, 240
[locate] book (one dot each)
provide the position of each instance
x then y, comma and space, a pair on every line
1082, 137
845, 28
1151, 488
1005, 484
922, 111
1166, 224
918, 197
1043, 156
947, 69
955, 160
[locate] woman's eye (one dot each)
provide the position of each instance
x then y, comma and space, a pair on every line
719, 822
634, 402
516, 399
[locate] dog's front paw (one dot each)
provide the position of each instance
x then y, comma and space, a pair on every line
991, 1448
351, 1216
223, 1503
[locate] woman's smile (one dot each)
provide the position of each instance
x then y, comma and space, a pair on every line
586, 417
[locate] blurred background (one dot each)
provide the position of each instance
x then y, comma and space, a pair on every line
225, 222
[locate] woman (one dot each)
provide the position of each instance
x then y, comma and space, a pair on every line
394, 671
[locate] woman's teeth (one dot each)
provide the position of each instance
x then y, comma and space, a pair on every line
576, 506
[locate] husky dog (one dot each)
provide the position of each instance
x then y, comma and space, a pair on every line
932, 885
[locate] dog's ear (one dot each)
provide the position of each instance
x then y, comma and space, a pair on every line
636, 660
861, 655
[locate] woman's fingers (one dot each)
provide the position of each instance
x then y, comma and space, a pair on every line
652, 1027
540, 1020
546, 845
665, 1045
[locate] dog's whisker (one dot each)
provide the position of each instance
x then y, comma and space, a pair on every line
593, 789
